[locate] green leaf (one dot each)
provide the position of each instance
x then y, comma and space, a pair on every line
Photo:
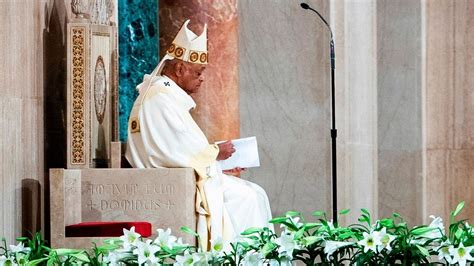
250, 231
365, 211
318, 213
309, 240
421, 230
267, 248
344, 212
346, 235
458, 209
188, 230
67, 251
458, 233
300, 233
81, 256
50, 262
423, 251
308, 226
292, 213
396, 215
36, 262
278, 220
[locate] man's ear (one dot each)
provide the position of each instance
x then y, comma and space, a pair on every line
180, 69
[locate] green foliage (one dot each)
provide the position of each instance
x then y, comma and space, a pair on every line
387, 241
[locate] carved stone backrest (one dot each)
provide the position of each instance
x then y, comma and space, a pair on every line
92, 85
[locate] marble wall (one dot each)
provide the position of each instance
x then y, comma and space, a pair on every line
404, 104
21, 116
449, 107
138, 49
285, 101
399, 112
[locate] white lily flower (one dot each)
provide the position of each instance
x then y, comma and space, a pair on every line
113, 258
130, 238
165, 239
287, 245
4, 261
252, 259
438, 226
146, 252
218, 245
370, 241
461, 254
331, 225
273, 262
385, 239
241, 239
443, 251
185, 260
331, 246
200, 259
285, 261
19, 248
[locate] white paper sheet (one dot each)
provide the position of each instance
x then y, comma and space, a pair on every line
245, 155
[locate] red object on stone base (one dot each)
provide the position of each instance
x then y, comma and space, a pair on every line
106, 229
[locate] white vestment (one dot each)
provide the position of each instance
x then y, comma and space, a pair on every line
162, 133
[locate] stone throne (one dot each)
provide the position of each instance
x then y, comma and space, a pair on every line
93, 196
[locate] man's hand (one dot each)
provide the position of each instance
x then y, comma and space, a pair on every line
226, 149
235, 172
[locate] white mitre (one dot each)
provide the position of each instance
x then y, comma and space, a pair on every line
186, 46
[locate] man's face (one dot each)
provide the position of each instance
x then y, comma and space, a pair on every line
192, 77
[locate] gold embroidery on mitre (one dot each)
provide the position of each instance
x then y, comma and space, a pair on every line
198, 57
203, 58
193, 56
179, 52
134, 125
176, 51
171, 48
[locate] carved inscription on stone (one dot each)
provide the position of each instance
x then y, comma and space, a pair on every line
128, 197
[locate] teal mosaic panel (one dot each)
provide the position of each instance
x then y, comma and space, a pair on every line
138, 51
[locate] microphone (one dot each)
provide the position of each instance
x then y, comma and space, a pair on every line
333, 129
304, 6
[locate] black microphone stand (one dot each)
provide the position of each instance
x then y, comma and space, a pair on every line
333, 129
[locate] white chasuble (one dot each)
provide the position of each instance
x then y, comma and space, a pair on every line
162, 133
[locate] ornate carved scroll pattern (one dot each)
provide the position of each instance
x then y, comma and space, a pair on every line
78, 99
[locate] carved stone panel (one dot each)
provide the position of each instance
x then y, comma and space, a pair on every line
163, 197
100, 89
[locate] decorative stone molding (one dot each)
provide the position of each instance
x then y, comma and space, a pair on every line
78, 98
100, 89
91, 93
101, 12
110, 9
80, 8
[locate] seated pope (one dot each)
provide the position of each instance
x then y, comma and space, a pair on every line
162, 133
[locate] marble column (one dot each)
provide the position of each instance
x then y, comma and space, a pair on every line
217, 110
354, 23
449, 107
